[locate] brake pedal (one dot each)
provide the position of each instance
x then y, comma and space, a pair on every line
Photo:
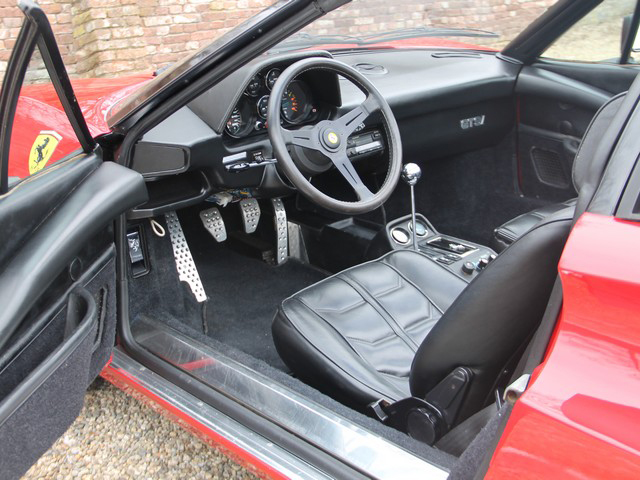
214, 224
187, 271
282, 232
250, 211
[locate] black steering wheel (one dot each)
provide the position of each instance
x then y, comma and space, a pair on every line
329, 139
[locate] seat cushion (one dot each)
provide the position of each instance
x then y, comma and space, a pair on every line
509, 232
355, 334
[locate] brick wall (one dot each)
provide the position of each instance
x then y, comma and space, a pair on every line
101, 38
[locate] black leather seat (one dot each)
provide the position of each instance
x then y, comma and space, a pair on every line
397, 326
510, 231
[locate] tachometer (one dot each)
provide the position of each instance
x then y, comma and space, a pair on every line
296, 103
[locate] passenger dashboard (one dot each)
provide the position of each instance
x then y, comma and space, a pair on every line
445, 102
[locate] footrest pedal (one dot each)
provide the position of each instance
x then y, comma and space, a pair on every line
214, 224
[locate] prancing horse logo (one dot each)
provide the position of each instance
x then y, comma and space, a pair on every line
42, 150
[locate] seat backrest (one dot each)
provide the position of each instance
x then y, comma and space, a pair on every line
488, 325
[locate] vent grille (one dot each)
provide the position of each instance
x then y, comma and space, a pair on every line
548, 167
370, 69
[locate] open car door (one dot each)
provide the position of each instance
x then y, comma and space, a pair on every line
57, 254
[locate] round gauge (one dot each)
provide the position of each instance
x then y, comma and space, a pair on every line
263, 106
254, 87
296, 103
240, 121
272, 77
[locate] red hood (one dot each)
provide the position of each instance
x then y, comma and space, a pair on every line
39, 112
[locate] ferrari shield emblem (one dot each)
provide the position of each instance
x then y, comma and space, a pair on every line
42, 149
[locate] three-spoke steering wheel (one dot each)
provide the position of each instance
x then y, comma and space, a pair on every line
329, 137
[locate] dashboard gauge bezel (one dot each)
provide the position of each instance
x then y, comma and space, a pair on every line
266, 77
258, 79
263, 97
246, 113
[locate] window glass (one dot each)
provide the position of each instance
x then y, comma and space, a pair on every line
595, 38
41, 133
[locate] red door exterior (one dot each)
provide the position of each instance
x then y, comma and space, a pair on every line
580, 416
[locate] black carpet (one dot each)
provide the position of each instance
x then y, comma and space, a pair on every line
467, 195
244, 293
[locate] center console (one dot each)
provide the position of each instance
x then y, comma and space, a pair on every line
464, 258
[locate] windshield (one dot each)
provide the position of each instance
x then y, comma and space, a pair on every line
476, 24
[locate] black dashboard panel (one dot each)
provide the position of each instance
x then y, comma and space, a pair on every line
444, 101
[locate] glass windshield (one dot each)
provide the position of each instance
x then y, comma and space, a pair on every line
476, 24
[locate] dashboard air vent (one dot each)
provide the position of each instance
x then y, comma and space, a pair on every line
370, 69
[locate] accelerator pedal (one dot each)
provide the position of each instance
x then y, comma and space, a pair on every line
214, 224
250, 211
187, 271
282, 232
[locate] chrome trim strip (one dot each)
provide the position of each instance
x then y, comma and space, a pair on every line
252, 443
334, 434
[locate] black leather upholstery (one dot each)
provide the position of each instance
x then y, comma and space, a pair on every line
395, 327
359, 330
399, 325
510, 231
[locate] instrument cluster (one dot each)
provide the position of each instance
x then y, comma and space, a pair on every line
249, 116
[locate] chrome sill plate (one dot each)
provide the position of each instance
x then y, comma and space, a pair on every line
332, 433
255, 445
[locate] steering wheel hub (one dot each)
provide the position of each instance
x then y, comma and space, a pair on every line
331, 139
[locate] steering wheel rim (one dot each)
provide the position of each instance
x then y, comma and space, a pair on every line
330, 138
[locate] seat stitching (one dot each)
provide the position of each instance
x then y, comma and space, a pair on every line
414, 286
382, 394
386, 316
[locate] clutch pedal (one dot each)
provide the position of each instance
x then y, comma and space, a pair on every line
214, 224
282, 231
250, 211
187, 271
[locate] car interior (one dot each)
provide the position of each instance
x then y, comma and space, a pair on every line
266, 247
355, 274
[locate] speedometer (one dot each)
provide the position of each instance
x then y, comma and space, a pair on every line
296, 103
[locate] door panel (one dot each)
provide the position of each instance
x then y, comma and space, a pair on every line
57, 263
556, 102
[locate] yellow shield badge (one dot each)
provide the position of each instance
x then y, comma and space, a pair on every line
42, 149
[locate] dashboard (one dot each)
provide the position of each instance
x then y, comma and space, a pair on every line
249, 116
219, 141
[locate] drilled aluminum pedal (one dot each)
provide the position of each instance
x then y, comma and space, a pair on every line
250, 211
282, 231
187, 271
214, 224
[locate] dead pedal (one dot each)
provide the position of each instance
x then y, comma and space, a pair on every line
282, 231
187, 271
214, 224
250, 211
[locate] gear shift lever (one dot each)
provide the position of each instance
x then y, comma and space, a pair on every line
411, 173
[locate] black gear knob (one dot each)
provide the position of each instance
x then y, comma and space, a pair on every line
411, 173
